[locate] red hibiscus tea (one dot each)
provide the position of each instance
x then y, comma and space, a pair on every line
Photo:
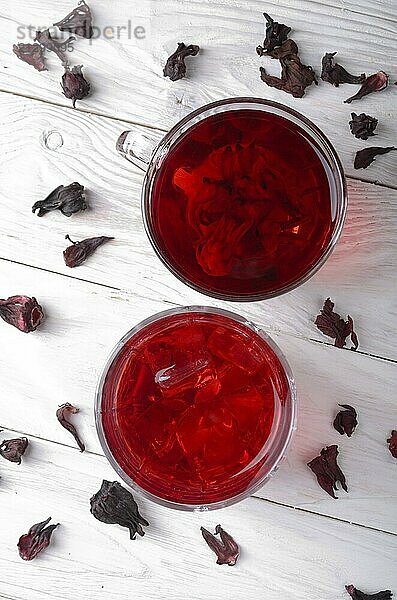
196, 407
241, 206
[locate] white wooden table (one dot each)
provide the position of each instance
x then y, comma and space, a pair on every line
296, 541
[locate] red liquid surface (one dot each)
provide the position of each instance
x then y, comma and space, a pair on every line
241, 205
189, 404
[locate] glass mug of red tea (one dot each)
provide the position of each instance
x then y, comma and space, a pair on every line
244, 199
196, 408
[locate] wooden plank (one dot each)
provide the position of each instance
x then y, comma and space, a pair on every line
363, 32
363, 263
62, 362
283, 552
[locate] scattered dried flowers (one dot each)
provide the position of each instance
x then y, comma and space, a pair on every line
14, 449
79, 21
335, 74
68, 199
392, 441
22, 312
76, 254
32, 54
332, 325
358, 595
63, 413
346, 420
75, 86
59, 48
374, 83
276, 34
175, 67
362, 126
366, 156
225, 548
327, 470
113, 504
37, 539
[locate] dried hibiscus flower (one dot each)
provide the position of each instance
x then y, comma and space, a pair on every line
335, 74
295, 76
13, 450
115, 505
31, 54
346, 420
175, 67
392, 441
22, 312
332, 325
327, 470
366, 156
68, 199
78, 253
226, 549
276, 35
358, 595
37, 539
79, 21
74, 85
289, 47
63, 414
362, 126
374, 83
59, 48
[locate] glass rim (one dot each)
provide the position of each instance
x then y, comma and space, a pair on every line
289, 426
328, 153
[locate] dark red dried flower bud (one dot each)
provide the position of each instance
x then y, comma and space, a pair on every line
32, 54
362, 126
59, 48
226, 549
79, 21
68, 199
374, 83
276, 35
332, 325
63, 413
358, 595
346, 420
335, 74
74, 85
392, 441
327, 470
22, 312
366, 156
175, 67
37, 539
78, 253
115, 505
295, 76
13, 450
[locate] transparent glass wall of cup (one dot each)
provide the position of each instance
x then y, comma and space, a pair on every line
271, 390
150, 153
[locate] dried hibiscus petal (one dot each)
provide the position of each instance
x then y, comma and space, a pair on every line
335, 74
74, 85
68, 199
31, 54
276, 35
295, 76
374, 83
79, 21
63, 413
346, 420
13, 450
327, 470
78, 253
289, 47
332, 325
358, 595
362, 126
366, 156
115, 505
37, 539
175, 67
59, 48
22, 312
225, 548
392, 441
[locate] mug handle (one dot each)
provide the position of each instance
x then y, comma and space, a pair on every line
137, 146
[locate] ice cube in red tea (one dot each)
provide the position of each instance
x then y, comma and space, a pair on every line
242, 204
205, 409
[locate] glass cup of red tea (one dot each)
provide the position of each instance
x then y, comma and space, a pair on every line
244, 199
196, 408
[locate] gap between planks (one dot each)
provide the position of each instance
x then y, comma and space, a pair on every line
258, 498
174, 304
159, 129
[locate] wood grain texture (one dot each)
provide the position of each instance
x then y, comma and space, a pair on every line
363, 32
62, 362
364, 262
284, 553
